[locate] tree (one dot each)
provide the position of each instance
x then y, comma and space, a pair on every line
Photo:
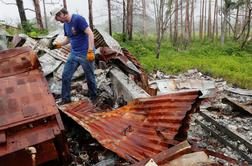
65, 4
215, 19
187, 23
144, 17
90, 13
21, 11
181, 18
129, 20
38, 14
191, 22
124, 19
109, 17
209, 19
175, 36
201, 19
45, 15
159, 10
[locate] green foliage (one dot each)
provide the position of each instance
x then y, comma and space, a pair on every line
211, 58
30, 30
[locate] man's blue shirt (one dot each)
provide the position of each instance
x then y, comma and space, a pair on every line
74, 30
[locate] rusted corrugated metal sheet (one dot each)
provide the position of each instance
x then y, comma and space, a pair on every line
142, 128
18, 60
103, 39
128, 63
28, 113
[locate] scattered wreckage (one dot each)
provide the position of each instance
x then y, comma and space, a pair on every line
144, 122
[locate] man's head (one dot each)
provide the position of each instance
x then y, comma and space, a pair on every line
60, 14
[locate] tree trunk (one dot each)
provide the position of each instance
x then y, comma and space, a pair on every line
129, 19
236, 21
223, 25
124, 18
181, 18
191, 22
65, 4
144, 18
21, 11
248, 18
90, 14
171, 30
248, 32
209, 33
205, 17
215, 18
187, 22
109, 18
45, 16
159, 26
202, 19
175, 36
38, 14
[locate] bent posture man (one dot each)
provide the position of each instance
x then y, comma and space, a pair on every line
81, 38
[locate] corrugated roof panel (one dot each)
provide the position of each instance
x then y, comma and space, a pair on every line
140, 129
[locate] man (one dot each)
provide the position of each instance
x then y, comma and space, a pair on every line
81, 38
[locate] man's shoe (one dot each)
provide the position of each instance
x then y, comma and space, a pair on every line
94, 101
64, 101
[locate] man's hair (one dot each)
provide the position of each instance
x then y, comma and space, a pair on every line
64, 11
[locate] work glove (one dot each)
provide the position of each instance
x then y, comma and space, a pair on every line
90, 55
54, 45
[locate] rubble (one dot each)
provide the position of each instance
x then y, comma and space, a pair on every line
127, 120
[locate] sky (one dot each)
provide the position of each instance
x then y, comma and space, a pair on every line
9, 13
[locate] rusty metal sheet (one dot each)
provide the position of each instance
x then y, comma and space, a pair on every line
17, 60
28, 113
165, 86
36, 45
142, 128
103, 39
128, 63
23, 98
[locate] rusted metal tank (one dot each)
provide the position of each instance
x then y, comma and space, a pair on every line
29, 118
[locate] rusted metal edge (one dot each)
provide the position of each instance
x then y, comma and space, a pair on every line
236, 105
223, 141
226, 131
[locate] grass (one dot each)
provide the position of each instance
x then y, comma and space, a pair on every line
228, 61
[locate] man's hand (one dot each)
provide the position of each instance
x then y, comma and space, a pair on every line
90, 55
55, 45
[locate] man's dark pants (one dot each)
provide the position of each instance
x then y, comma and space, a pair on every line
73, 62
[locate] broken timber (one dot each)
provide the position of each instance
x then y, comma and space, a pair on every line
238, 106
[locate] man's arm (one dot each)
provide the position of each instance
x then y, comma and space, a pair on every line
65, 41
90, 34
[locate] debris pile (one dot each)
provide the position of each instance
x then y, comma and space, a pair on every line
140, 118
224, 122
